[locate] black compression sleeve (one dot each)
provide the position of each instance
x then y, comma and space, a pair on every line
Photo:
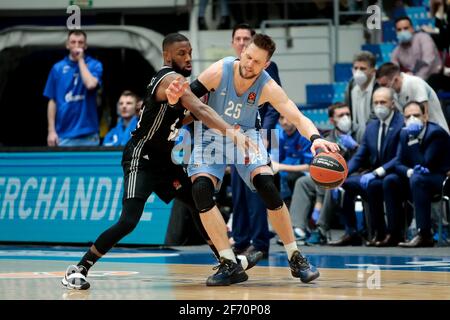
198, 88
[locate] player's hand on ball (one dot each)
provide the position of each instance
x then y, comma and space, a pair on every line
176, 89
324, 145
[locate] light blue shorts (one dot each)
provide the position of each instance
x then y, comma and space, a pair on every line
214, 152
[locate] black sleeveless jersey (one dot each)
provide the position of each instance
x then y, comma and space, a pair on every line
159, 122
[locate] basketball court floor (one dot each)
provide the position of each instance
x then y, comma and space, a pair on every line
179, 273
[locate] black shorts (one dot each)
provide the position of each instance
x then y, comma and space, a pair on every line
147, 173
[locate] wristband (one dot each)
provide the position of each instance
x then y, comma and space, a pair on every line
314, 137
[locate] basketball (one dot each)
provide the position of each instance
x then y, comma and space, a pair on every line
328, 170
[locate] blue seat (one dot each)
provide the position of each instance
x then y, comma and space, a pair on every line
318, 114
343, 72
419, 12
382, 51
389, 32
325, 93
424, 3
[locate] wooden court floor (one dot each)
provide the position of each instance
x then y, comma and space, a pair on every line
39, 279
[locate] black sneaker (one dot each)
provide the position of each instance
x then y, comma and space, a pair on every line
249, 260
228, 273
301, 268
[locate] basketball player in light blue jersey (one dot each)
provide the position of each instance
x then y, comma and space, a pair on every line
236, 88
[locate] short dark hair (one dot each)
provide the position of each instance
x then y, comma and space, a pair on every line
420, 104
129, 93
172, 38
387, 69
333, 107
244, 26
77, 32
403, 18
365, 56
264, 42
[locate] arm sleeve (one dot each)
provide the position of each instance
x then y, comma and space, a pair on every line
400, 168
198, 89
418, 91
97, 72
429, 52
359, 157
50, 86
306, 150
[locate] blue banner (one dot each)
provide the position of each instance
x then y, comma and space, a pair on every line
70, 197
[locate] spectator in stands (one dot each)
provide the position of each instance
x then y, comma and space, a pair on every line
127, 110
72, 91
360, 89
250, 228
224, 22
378, 150
416, 52
412, 88
307, 194
440, 11
422, 162
294, 158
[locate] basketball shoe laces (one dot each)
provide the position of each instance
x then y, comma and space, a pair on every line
298, 260
225, 266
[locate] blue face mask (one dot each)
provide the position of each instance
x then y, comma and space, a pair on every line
404, 36
414, 126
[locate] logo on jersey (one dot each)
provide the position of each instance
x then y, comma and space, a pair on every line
151, 82
176, 184
251, 98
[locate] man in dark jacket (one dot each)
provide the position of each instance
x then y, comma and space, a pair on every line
423, 159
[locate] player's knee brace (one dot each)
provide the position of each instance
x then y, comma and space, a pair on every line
269, 193
203, 194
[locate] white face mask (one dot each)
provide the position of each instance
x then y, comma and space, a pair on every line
359, 77
344, 124
381, 111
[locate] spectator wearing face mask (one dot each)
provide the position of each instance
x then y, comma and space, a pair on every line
376, 156
307, 197
423, 159
416, 52
411, 88
358, 95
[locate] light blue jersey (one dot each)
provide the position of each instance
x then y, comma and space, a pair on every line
234, 109
212, 152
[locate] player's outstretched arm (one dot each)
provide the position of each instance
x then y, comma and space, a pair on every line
274, 94
175, 87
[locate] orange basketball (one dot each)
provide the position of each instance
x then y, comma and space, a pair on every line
328, 170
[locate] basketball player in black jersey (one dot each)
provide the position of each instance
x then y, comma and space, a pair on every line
147, 162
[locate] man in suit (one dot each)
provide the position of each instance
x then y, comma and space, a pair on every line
423, 159
377, 154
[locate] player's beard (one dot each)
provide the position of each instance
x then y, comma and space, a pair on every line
183, 72
242, 74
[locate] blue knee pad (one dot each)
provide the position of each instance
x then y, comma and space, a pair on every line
268, 191
203, 194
